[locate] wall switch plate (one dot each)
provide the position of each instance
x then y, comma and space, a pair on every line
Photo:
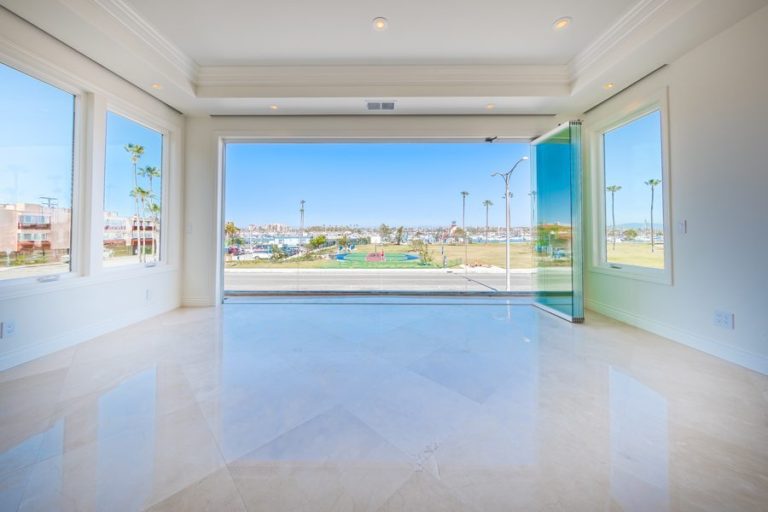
724, 319
682, 227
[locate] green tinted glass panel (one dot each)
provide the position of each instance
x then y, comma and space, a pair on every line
556, 183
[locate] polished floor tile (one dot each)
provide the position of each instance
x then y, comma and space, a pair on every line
381, 405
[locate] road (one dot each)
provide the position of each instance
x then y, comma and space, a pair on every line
372, 280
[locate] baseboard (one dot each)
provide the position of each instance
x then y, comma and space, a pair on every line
755, 362
196, 302
75, 336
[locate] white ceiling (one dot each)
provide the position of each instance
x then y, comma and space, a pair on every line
311, 32
436, 57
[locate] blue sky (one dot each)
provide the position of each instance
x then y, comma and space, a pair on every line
373, 183
36, 130
36, 127
632, 157
118, 178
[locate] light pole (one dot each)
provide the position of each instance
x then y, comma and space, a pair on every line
532, 193
506, 177
464, 195
301, 226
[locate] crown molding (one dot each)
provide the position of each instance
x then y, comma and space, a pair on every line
265, 81
640, 17
150, 36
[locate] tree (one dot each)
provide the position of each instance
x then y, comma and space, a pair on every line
277, 253
317, 241
425, 255
230, 230
136, 151
150, 173
459, 233
613, 189
385, 231
399, 235
629, 234
487, 203
653, 183
141, 196
154, 211
343, 241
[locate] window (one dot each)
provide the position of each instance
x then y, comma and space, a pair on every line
133, 184
36, 170
633, 221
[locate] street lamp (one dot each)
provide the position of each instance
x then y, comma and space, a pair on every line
464, 195
301, 226
506, 176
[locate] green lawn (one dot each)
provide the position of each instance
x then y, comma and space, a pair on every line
477, 255
631, 253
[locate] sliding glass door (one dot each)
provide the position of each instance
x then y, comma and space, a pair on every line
556, 205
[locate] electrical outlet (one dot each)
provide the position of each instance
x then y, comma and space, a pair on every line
7, 329
724, 319
148, 295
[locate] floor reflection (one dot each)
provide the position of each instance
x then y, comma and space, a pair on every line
381, 406
639, 445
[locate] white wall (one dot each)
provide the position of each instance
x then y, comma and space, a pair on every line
91, 300
202, 263
718, 115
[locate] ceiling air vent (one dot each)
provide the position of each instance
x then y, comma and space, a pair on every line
380, 105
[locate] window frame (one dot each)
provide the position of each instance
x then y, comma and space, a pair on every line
626, 113
142, 118
78, 218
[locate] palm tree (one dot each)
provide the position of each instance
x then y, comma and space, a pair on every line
230, 231
151, 172
464, 195
653, 183
613, 189
487, 203
141, 196
154, 210
135, 151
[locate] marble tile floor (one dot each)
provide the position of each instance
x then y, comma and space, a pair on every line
387, 405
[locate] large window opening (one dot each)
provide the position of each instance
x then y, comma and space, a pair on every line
634, 212
417, 217
630, 173
133, 183
36, 173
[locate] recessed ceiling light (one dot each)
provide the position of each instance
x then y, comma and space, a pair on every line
379, 24
490, 106
157, 87
562, 23
273, 107
609, 86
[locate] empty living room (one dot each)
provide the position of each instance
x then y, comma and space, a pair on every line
362, 256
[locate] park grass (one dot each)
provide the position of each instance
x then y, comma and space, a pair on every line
636, 253
477, 255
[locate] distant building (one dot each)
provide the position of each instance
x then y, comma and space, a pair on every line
29, 228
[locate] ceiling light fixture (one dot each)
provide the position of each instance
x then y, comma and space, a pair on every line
157, 87
609, 86
379, 24
273, 107
562, 23
490, 106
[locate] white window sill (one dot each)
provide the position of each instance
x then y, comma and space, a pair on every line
30, 286
648, 275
